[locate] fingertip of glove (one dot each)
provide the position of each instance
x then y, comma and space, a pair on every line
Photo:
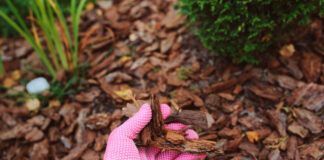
191, 134
175, 126
166, 111
145, 112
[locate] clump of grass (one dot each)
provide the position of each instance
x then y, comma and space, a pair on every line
63, 47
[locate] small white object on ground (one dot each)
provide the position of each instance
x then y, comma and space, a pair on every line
37, 85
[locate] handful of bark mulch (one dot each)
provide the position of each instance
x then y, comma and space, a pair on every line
154, 134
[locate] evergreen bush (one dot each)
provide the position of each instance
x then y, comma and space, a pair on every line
243, 29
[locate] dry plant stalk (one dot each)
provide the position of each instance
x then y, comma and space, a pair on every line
154, 135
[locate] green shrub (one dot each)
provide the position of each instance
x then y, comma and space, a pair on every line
243, 29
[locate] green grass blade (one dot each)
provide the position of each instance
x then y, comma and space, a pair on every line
49, 22
17, 15
2, 70
46, 35
57, 41
30, 39
14, 25
61, 17
73, 5
75, 28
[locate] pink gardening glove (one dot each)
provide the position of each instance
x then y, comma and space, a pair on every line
120, 145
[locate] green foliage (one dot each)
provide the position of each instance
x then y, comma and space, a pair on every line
62, 47
23, 7
242, 29
2, 70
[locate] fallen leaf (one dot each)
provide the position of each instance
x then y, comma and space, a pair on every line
36, 120
167, 43
293, 67
118, 77
130, 109
138, 62
263, 132
156, 61
278, 120
287, 50
173, 80
173, 19
266, 91
125, 94
175, 62
90, 154
238, 89
98, 121
287, 82
219, 86
252, 136
213, 101
8, 82
68, 112
124, 59
40, 150
100, 142
296, 128
76, 152
15, 75
312, 150
230, 133
311, 66
103, 4
250, 148
231, 107
89, 6
53, 134
251, 122
227, 96
309, 120
182, 96
309, 95
16, 90
54, 103
88, 96
18, 131
34, 135
32, 104
275, 155
292, 147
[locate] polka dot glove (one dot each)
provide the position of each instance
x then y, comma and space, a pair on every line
120, 145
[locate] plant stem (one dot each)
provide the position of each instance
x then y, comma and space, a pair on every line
2, 70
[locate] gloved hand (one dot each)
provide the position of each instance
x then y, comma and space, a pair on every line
120, 145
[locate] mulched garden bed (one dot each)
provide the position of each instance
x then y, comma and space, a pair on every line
271, 111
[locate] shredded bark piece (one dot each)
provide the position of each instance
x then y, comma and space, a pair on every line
154, 134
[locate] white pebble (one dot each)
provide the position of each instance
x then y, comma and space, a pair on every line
37, 85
